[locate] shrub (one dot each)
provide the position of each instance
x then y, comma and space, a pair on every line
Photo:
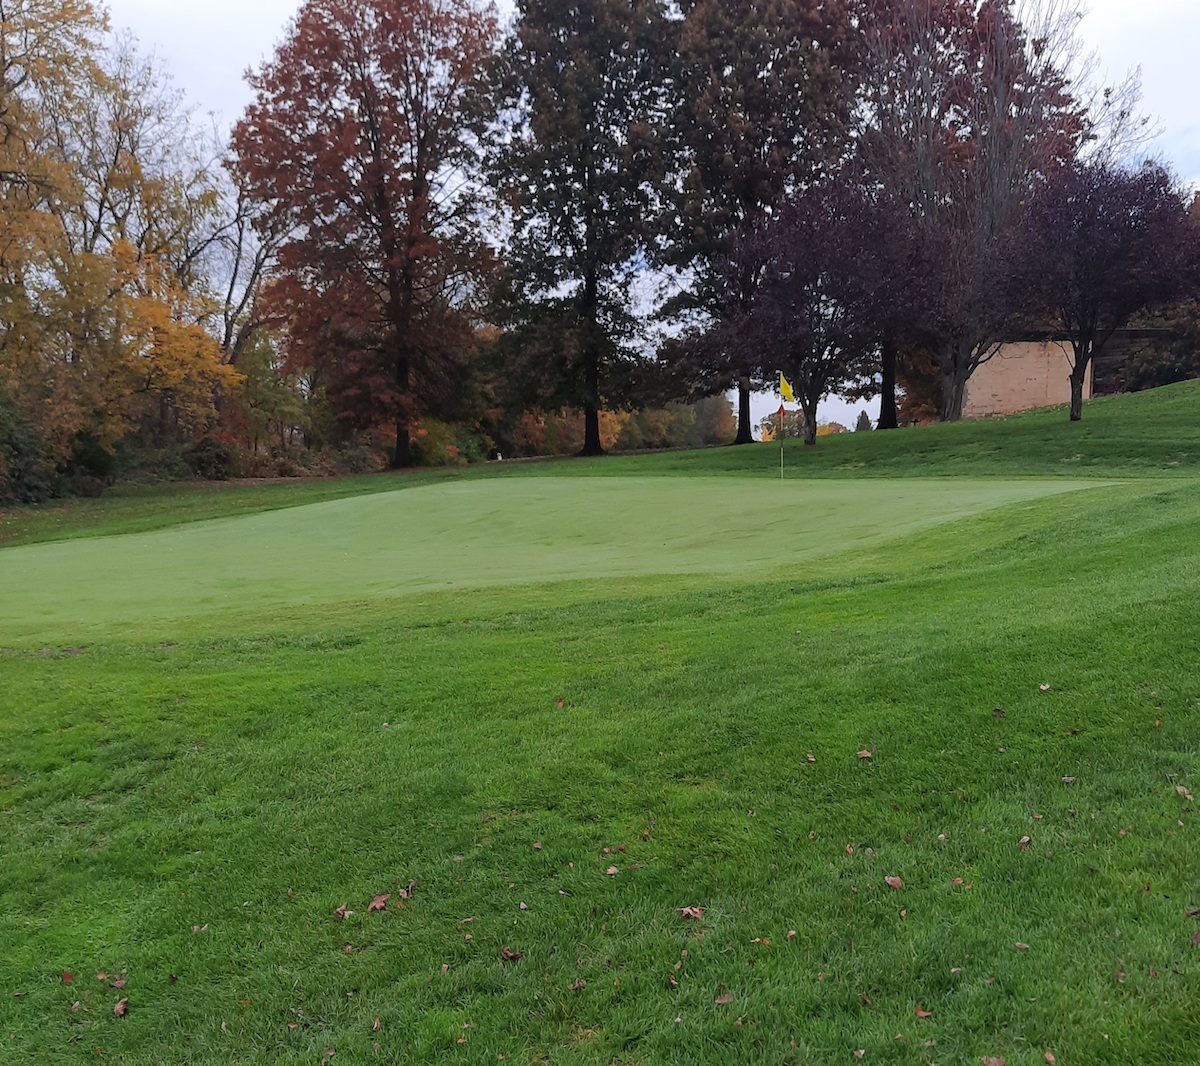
213, 458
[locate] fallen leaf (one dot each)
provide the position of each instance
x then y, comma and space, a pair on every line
578, 986
122, 1008
811, 757
1196, 939
329, 1053
340, 913
537, 845
671, 982
893, 882
118, 984
992, 1060
866, 1000
75, 1007
812, 835
1182, 790
407, 891
445, 967
1044, 688
68, 978
860, 1053
508, 955
849, 849
791, 934
864, 754
523, 907
998, 712
957, 881
761, 940
458, 858
101, 976
559, 702
1157, 722
612, 871
921, 1012
1068, 780
1050, 1058
1024, 843
1022, 947
379, 903
725, 999
292, 1025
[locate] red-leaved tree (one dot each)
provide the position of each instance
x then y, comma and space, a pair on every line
1100, 244
361, 136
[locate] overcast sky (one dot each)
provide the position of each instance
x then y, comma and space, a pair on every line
207, 45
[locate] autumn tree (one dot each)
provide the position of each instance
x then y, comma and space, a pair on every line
762, 103
829, 278
966, 108
106, 206
1099, 244
361, 141
583, 93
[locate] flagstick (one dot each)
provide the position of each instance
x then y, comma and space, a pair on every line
781, 443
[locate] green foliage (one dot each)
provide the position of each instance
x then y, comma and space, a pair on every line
863, 424
26, 472
213, 458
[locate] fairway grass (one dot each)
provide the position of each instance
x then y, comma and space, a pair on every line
563, 708
461, 535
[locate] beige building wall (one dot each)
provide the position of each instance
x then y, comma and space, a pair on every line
1020, 377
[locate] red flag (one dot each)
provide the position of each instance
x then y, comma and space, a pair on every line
782, 412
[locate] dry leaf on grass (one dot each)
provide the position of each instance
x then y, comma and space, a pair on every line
992, 1060
921, 1012
1050, 1058
1024, 843
893, 882
407, 891
612, 871
727, 998
1182, 790
692, 912
998, 712
578, 986
864, 754
508, 955
122, 1008
379, 903
1022, 947
377, 1026
68, 978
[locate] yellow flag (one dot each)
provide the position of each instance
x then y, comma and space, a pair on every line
785, 390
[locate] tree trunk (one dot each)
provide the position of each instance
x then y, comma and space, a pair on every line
591, 406
810, 425
591, 432
1078, 377
887, 397
744, 434
402, 457
954, 388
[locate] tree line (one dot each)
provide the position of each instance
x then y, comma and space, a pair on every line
435, 237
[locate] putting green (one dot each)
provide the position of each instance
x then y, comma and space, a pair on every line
450, 536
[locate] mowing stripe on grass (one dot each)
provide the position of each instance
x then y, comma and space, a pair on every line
451, 536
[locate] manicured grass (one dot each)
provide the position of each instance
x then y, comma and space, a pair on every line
448, 537
185, 802
1146, 434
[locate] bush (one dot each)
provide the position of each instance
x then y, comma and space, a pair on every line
215, 459
26, 473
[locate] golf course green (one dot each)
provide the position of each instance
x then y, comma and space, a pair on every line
464, 535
